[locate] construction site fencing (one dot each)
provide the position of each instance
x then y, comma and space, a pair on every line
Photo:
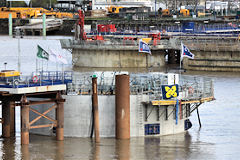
190, 87
117, 43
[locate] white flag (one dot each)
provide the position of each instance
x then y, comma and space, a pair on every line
57, 57
186, 52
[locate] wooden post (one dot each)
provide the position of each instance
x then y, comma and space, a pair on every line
95, 109
6, 118
122, 102
60, 117
24, 121
12, 118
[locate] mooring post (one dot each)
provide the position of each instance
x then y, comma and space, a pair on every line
24, 121
6, 119
199, 121
12, 118
60, 118
122, 110
95, 109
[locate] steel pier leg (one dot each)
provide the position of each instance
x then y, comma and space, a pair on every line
12, 118
95, 108
60, 121
25, 122
6, 118
122, 102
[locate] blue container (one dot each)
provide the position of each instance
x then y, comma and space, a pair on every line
188, 27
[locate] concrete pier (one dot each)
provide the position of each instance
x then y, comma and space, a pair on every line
109, 57
218, 56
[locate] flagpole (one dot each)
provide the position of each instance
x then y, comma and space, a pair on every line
181, 55
36, 65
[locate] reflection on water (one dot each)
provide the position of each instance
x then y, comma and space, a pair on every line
42, 147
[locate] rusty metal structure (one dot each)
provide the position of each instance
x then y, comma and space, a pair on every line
27, 94
122, 103
95, 109
10, 101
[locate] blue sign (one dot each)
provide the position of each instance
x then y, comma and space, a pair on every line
144, 47
170, 91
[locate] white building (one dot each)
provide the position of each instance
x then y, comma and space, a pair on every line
103, 4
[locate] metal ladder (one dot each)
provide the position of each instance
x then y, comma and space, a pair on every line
140, 118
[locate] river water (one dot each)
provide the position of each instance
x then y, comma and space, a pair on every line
219, 137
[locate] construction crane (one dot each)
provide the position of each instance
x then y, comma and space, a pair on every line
82, 34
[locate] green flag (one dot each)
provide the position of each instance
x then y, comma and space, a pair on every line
42, 53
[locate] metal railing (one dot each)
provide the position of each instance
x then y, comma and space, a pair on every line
190, 87
42, 78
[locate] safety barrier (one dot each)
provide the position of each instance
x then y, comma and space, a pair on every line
42, 78
190, 87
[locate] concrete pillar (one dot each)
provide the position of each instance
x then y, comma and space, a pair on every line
60, 121
12, 119
10, 24
95, 109
25, 121
44, 26
6, 119
122, 103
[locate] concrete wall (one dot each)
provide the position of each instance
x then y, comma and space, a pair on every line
214, 61
117, 58
218, 56
77, 114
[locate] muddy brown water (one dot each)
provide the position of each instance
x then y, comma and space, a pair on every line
219, 137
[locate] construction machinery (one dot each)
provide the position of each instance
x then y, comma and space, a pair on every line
80, 34
80, 24
166, 13
114, 9
32, 13
184, 12
10, 77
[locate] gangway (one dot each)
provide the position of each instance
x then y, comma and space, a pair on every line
52, 25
